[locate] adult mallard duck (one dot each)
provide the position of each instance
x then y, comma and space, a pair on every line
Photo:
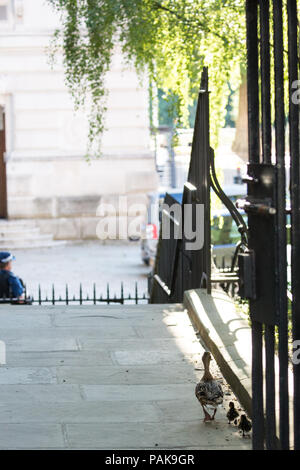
208, 391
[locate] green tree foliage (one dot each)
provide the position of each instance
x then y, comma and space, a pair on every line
169, 40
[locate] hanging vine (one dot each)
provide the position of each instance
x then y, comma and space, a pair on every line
169, 40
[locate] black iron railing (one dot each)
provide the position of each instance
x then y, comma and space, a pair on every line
267, 47
81, 298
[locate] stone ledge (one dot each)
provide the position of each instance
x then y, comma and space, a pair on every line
227, 335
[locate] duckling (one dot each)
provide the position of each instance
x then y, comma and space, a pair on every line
208, 391
232, 413
245, 424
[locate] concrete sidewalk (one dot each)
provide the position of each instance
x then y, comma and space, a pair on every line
110, 377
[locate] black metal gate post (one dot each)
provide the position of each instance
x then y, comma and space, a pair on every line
281, 224
185, 264
267, 217
266, 154
199, 177
295, 200
254, 155
178, 268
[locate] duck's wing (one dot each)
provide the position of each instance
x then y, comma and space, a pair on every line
214, 391
210, 391
200, 390
220, 389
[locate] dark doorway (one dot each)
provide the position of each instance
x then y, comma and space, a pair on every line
3, 188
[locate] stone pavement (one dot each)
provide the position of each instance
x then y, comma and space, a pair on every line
87, 263
110, 377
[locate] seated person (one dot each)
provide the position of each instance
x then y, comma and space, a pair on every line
10, 285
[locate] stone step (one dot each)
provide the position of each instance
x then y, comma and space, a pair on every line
35, 237
24, 234
17, 233
16, 224
27, 244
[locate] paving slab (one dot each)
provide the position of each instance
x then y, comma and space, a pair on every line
165, 331
137, 374
75, 318
105, 377
150, 357
23, 320
68, 332
50, 358
37, 393
142, 393
82, 412
31, 436
27, 375
175, 435
38, 342
142, 344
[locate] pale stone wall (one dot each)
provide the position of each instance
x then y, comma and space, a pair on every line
48, 176
240, 144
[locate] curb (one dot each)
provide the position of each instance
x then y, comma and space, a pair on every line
227, 336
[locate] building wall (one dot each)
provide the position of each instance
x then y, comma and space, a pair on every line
48, 176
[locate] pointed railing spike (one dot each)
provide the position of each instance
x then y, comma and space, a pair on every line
86, 297
80, 294
107, 294
40, 295
53, 295
122, 293
94, 293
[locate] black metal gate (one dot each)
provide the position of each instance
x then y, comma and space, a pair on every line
272, 49
265, 278
178, 267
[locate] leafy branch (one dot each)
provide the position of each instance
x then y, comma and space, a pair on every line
168, 40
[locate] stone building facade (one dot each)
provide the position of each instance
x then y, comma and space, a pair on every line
47, 176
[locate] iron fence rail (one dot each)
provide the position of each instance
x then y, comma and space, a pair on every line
123, 297
293, 46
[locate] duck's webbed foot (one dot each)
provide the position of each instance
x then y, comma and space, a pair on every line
214, 414
207, 416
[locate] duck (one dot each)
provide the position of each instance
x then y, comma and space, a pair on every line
232, 414
245, 425
208, 391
